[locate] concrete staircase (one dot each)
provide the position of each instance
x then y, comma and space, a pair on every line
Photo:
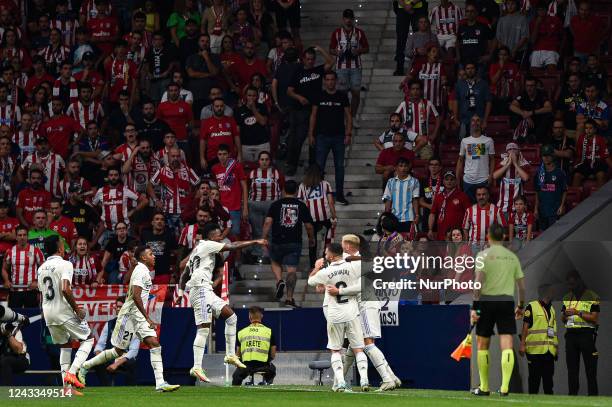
362, 185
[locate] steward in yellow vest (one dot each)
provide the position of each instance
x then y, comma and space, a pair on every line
539, 341
256, 347
580, 316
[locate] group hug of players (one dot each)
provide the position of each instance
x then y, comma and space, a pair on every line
338, 274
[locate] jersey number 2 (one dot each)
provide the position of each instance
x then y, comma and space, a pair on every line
339, 299
50, 293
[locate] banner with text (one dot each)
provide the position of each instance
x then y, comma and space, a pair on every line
99, 304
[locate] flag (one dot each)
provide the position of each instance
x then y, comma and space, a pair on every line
225, 283
180, 301
464, 350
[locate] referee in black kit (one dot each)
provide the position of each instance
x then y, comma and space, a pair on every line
498, 270
580, 314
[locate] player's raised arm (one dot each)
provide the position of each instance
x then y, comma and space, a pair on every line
242, 244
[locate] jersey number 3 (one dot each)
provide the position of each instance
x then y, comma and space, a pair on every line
50, 292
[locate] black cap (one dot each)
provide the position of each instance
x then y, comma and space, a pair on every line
41, 140
88, 55
348, 13
3, 203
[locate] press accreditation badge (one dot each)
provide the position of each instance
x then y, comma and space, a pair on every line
550, 332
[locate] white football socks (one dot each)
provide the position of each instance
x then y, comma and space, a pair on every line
157, 365
378, 361
101, 358
347, 360
362, 366
199, 346
230, 335
81, 355
336, 364
64, 359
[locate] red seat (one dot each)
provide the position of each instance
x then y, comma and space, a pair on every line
449, 152
573, 197
418, 163
588, 187
420, 173
498, 126
450, 163
531, 152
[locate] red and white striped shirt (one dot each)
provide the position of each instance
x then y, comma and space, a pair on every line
84, 114
477, 221
55, 56
416, 115
175, 186
188, 235
316, 199
51, 165
89, 9
24, 263
445, 20
10, 115
125, 150
343, 42
430, 76
265, 185
114, 202
68, 28
510, 186
86, 269
25, 141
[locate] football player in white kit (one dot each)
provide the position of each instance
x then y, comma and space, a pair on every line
64, 319
133, 320
197, 278
342, 313
369, 316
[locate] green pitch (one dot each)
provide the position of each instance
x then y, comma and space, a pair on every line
296, 396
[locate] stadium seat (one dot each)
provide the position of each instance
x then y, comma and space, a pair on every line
588, 187
573, 197
321, 366
531, 152
498, 126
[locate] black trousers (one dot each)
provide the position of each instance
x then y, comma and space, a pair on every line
312, 251
541, 368
403, 22
268, 371
299, 121
23, 299
11, 364
581, 341
128, 369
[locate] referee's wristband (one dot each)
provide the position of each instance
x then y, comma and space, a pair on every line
476, 306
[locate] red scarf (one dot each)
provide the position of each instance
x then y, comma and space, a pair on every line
74, 89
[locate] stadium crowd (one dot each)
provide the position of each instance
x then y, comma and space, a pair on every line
141, 121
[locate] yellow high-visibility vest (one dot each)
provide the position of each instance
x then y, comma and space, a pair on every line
538, 342
255, 343
582, 303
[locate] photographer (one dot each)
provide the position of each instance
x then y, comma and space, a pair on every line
14, 358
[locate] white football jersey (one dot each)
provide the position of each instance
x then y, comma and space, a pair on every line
202, 263
56, 308
342, 308
141, 277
